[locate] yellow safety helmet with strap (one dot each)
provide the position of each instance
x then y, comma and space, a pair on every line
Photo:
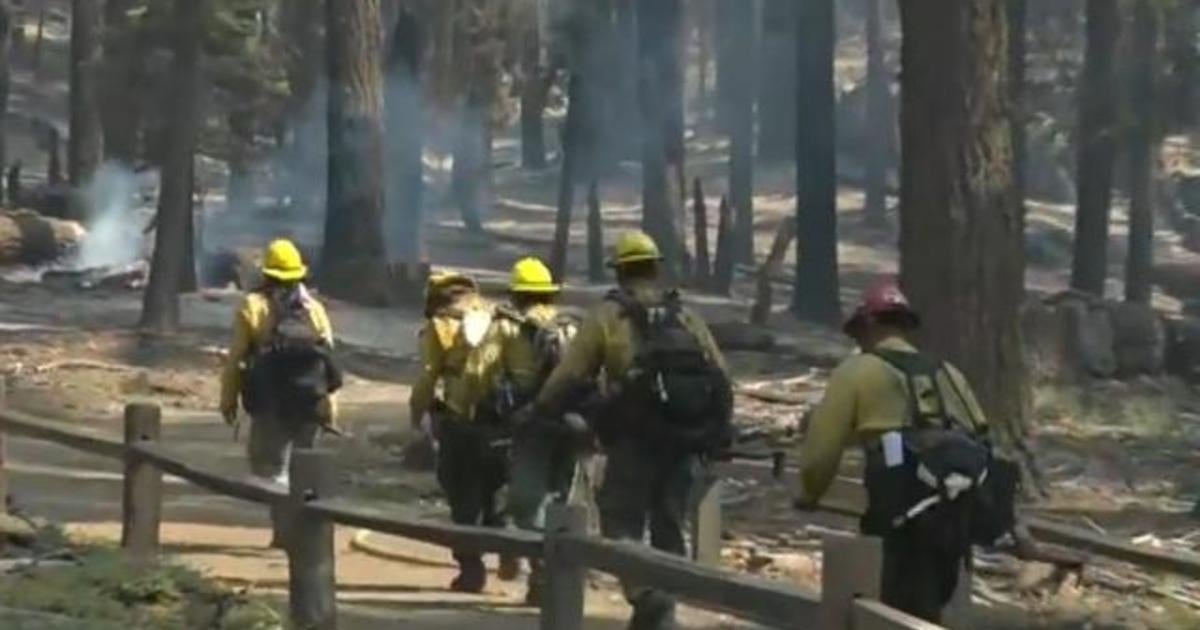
282, 261
635, 246
531, 275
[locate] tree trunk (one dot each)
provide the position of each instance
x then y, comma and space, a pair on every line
702, 18
124, 73
188, 281
7, 23
735, 32
160, 305
534, 86
353, 259
817, 296
961, 234
880, 124
1018, 31
1181, 47
625, 100
1097, 147
85, 149
777, 88
723, 265
405, 139
660, 88
703, 270
566, 178
1143, 144
595, 235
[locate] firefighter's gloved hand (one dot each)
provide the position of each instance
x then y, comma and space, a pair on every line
576, 424
230, 415
523, 416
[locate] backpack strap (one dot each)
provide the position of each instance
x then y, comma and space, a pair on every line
913, 365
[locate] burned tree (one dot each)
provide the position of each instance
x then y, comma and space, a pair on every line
961, 234
124, 76
353, 257
777, 86
880, 125
817, 296
736, 80
85, 148
1018, 31
660, 92
1142, 143
1096, 147
168, 269
7, 22
405, 138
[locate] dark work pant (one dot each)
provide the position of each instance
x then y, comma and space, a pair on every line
647, 488
273, 435
471, 471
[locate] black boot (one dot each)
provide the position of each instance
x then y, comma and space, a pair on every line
472, 576
533, 594
653, 611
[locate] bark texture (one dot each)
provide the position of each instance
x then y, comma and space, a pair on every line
961, 237
1143, 145
353, 259
85, 148
172, 238
817, 296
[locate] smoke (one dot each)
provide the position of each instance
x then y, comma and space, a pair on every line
114, 238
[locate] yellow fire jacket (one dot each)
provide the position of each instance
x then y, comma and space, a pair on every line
865, 398
251, 323
606, 341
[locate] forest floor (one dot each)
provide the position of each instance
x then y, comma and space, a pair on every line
1120, 457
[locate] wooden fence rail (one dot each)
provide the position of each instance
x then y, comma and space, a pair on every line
311, 509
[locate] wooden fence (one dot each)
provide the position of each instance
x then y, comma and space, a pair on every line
310, 509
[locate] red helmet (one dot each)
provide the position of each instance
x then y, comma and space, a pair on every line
882, 297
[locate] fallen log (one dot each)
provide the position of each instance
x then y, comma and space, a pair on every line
27, 238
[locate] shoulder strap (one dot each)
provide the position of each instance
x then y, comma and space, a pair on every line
913, 365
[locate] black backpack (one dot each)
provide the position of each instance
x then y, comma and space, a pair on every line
292, 368
951, 482
688, 396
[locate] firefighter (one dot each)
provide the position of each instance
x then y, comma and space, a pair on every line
279, 365
669, 407
533, 334
459, 352
883, 399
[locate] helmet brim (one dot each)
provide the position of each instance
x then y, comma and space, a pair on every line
535, 288
634, 259
286, 275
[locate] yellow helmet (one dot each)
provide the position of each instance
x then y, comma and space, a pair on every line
531, 275
635, 246
282, 261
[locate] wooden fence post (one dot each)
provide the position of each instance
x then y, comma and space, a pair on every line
706, 526
141, 497
312, 574
566, 584
851, 567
